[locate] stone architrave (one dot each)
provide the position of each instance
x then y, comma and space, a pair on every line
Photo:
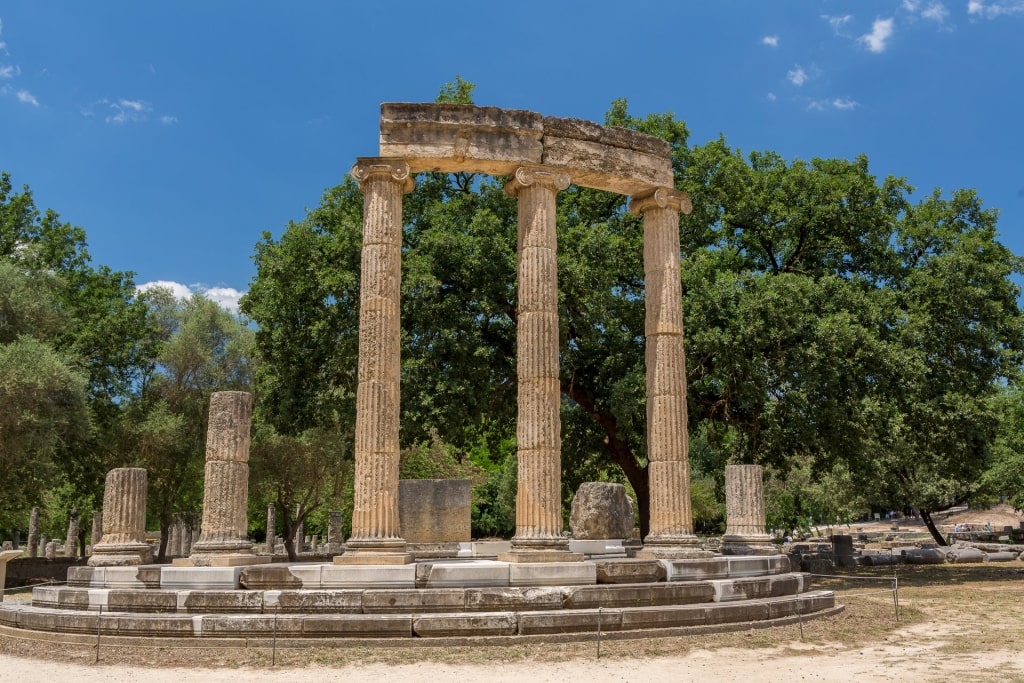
601, 511
71, 544
97, 527
222, 537
376, 537
124, 520
271, 528
670, 533
538, 536
335, 532
33, 533
745, 519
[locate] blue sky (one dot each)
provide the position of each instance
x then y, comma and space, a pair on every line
176, 133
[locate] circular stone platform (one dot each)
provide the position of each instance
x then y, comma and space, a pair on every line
444, 602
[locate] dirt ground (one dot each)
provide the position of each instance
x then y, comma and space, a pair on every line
957, 622
997, 515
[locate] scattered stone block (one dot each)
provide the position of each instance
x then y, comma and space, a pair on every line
601, 511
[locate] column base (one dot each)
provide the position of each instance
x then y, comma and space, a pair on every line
759, 544
121, 555
515, 556
371, 557
238, 560
680, 547
373, 551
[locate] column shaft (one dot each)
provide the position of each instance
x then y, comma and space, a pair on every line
124, 520
376, 536
670, 532
538, 429
224, 530
744, 512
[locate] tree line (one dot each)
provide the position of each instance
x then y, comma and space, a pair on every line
862, 344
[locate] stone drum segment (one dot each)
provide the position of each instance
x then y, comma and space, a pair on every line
744, 512
222, 538
124, 520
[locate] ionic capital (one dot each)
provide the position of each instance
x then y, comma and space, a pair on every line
662, 198
395, 168
544, 176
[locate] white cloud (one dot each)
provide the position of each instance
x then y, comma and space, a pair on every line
9, 71
770, 41
27, 97
936, 12
911, 5
995, 9
227, 297
797, 76
772, 97
840, 103
127, 111
837, 22
881, 31
167, 120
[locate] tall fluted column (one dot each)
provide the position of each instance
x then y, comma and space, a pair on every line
376, 537
224, 530
744, 512
124, 520
538, 429
670, 534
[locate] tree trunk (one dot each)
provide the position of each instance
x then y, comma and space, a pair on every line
620, 452
926, 515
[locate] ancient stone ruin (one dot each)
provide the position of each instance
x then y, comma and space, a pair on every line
542, 582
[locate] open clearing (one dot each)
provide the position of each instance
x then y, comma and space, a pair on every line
957, 622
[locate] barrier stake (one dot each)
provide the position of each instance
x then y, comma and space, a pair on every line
599, 619
99, 624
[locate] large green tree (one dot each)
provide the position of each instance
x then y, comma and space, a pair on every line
67, 327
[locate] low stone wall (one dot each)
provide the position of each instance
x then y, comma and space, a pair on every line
25, 570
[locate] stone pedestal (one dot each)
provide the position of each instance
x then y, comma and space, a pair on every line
33, 533
124, 520
744, 512
538, 534
376, 537
226, 485
671, 522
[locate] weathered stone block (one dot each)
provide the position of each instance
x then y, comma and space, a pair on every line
424, 600
552, 574
601, 511
589, 597
629, 570
434, 510
666, 616
441, 625
513, 599
569, 621
359, 626
314, 601
212, 601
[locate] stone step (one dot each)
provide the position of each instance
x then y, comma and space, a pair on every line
465, 624
426, 600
